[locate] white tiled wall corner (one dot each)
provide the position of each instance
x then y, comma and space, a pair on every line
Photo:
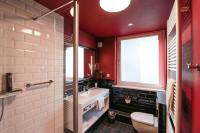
33, 52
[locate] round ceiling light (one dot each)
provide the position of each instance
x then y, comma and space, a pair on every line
72, 11
114, 5
130, 24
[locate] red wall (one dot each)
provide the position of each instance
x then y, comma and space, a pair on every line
162, 58
196, 60
106, 57
186, 92
85, 38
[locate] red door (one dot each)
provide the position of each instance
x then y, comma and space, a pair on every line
187, 74
190, 119
196, 60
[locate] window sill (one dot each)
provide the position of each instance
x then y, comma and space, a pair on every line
140, 88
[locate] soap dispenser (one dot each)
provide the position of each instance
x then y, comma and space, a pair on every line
9, 82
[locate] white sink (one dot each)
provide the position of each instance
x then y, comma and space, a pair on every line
92, 92
85, 93
84, 98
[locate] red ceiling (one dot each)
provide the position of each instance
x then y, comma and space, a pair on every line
146, 15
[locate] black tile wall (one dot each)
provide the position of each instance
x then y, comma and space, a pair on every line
141, 101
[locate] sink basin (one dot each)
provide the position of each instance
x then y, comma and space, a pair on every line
84, 98
90, 92
85, 93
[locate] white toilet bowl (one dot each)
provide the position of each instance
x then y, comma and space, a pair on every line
143, 122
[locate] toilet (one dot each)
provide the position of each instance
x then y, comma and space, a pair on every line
144, 122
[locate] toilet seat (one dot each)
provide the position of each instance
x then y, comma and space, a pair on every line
143, 118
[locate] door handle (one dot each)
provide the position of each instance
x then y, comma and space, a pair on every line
190, 66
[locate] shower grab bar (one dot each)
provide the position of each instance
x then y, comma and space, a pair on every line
41, 83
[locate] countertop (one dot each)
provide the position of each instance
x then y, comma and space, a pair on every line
93, 93
140, 88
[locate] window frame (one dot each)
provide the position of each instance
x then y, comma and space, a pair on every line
162, 61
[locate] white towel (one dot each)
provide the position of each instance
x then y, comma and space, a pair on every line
100, 103
86, 124
169, 94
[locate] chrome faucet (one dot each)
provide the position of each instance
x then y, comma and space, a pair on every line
85, 88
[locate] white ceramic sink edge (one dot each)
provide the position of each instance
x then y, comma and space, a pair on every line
86, 97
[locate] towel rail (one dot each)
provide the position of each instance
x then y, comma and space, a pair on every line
41, 83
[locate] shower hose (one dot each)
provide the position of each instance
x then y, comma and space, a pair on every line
2, 109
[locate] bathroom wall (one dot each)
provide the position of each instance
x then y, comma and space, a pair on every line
141, 101
187, 75
86, 39
196, 60
33, 52
106, 57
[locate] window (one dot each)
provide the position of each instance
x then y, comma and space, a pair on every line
69, 63
139, 61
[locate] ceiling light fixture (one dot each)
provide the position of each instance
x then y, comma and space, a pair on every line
114, 5
130, 24
72, 11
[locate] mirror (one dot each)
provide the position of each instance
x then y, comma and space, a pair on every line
86, 63
89, 63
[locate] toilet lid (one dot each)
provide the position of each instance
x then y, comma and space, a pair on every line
143, 118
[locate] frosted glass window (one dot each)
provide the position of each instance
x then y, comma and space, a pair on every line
140, 60
69, 63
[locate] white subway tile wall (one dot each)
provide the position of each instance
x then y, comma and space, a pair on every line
33, 52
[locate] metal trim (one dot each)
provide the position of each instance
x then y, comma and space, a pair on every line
44, 15
75, 62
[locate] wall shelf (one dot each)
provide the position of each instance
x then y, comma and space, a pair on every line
91, 117
10, 94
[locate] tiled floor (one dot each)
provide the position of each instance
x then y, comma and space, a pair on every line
116, 127
107, 127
